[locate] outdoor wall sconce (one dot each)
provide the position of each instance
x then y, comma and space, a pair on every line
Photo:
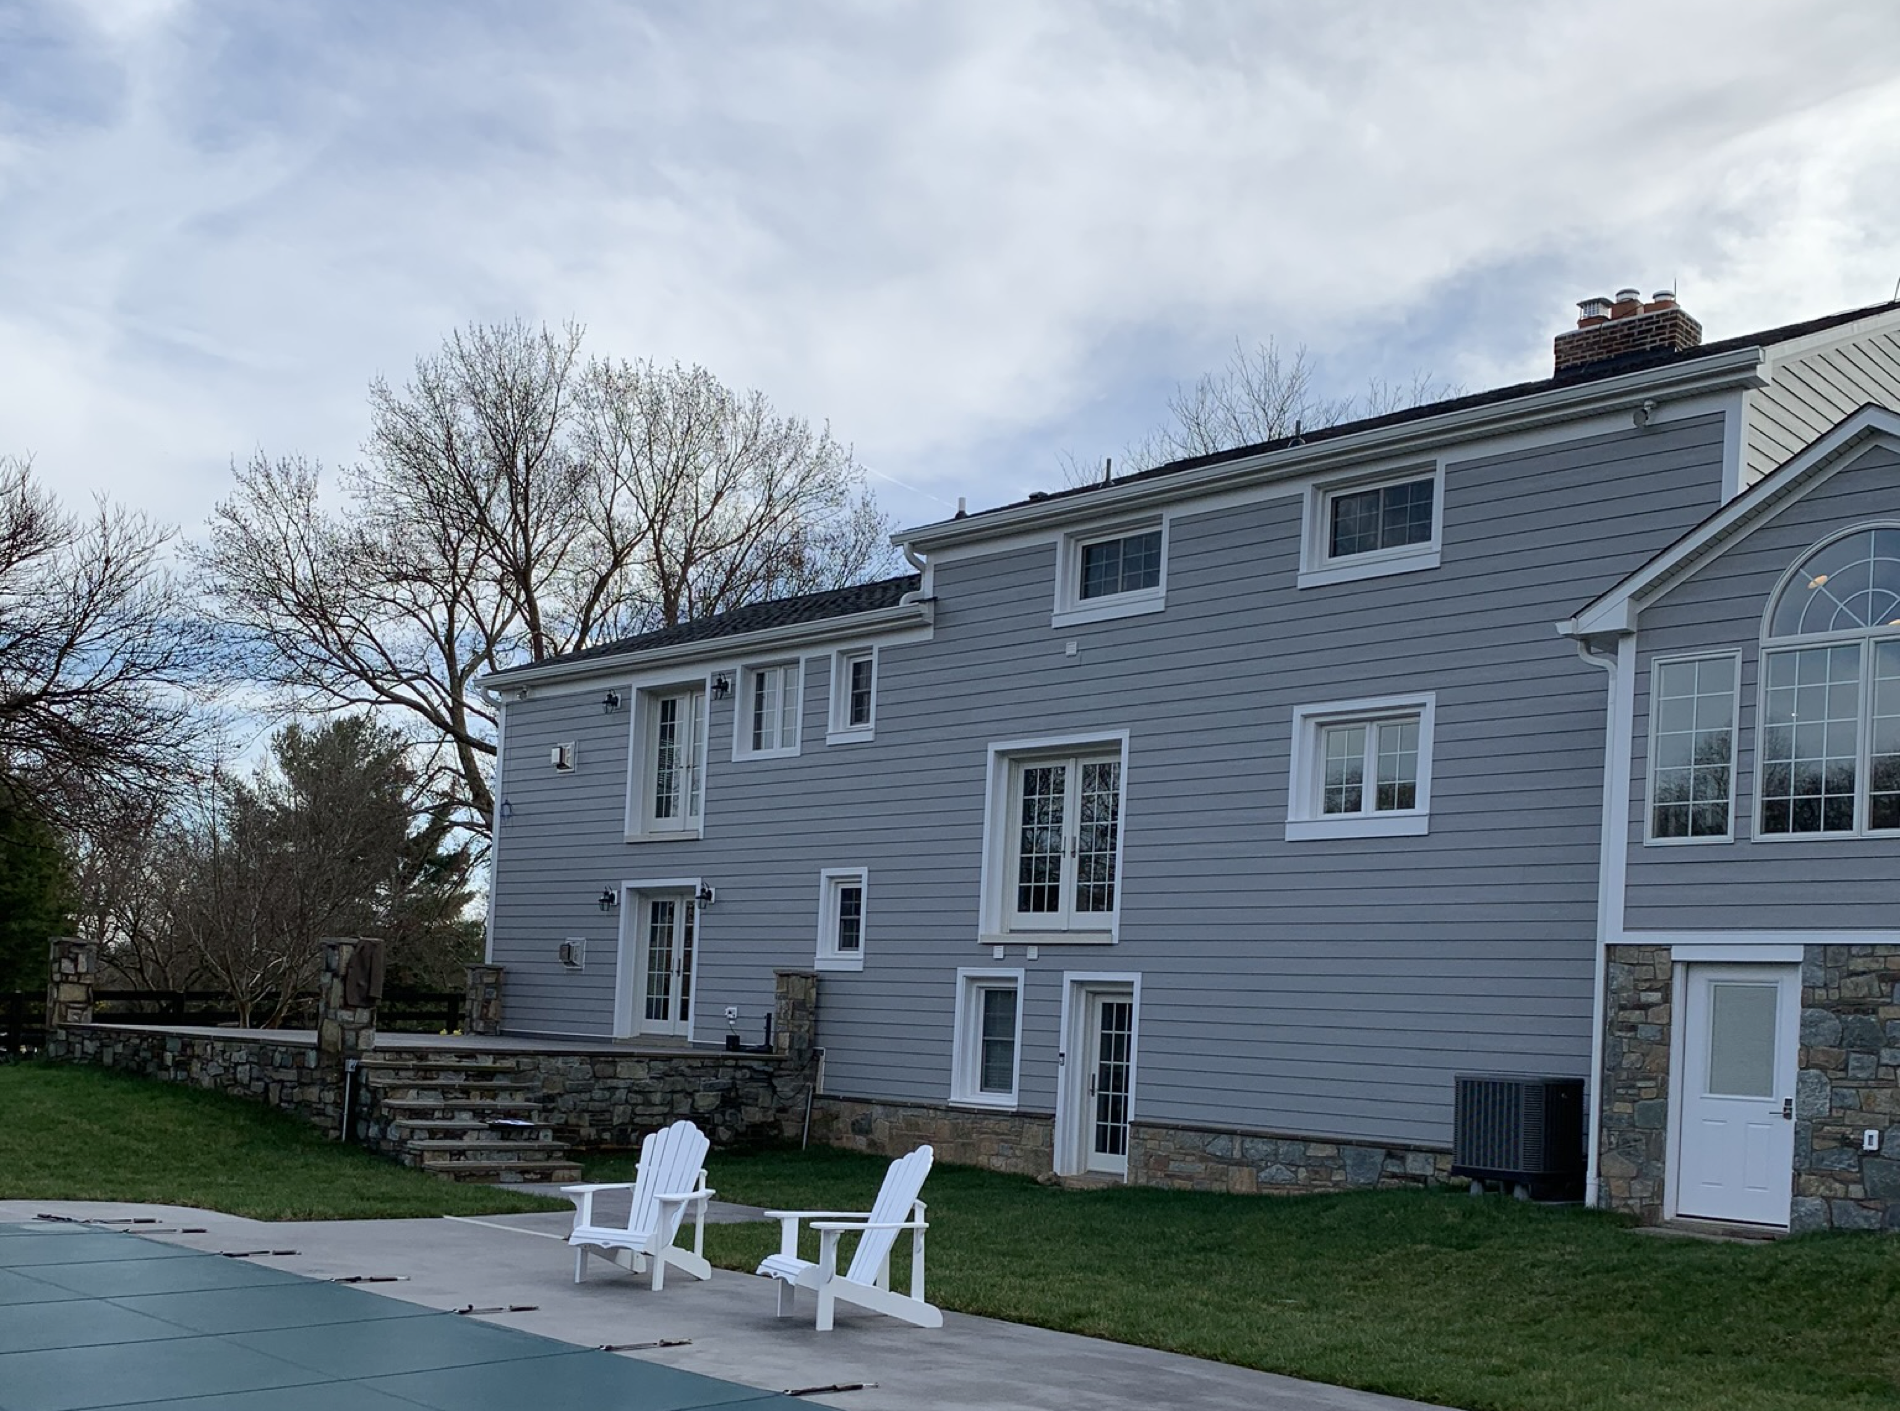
721, 686
610, 703
704, 896
609, 899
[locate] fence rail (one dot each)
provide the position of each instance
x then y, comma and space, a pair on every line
400, 1011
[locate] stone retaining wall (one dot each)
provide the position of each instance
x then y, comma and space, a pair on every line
1021, 1143
287, 1075
609, 1100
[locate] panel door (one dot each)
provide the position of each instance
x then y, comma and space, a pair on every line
1735, 1155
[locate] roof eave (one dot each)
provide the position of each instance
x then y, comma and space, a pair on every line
794, 634
1742, 368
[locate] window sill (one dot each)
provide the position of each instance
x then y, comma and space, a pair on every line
839, 963
668, 835
1701, 842
1370, 566
862, 735
1108, 608
1873, 835
1046, 938
742, 756
987, 1104
1353, 825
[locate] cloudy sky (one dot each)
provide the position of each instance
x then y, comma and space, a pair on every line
972, 235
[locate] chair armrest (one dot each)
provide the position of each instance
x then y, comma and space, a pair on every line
816, 1214
597, 1186
868, 1225
686, 1196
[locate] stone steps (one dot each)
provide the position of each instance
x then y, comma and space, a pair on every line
466, 1117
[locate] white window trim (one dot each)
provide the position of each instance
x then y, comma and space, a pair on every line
992, 929
1866, 639
1304, 820
838, 730
1317, 566
966, 1048
1072, 609
742, 712
1650, 840
639, 822
829, 957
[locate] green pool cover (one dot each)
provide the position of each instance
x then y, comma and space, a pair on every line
91, 1317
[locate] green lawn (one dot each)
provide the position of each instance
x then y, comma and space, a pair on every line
1487, 1304
1484, 1304
73, 1133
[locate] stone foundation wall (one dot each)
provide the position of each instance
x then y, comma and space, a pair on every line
610, 1100
1849, 1083
289, 1076
1207, 1159
1634, 1133
1020, 1143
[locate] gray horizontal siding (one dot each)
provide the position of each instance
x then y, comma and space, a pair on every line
1322, 988
1809, 883
1815, 391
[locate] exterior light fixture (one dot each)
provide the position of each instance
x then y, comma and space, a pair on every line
721, 686
704, 896
610, 703
609, 899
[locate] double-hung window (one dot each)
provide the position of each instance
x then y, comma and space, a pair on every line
1361, 528
1120, 572
670, 727
1361, 769
1828, 757
1053, 864
841, 918
1692, 748
853, 696
987, 1046
771, 699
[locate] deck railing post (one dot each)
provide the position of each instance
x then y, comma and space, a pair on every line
481, 1002
75, 970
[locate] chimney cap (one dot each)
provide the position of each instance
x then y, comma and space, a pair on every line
1625, 295
1663, 296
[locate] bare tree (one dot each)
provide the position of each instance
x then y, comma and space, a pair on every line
1258, 396
99, 648
513, 504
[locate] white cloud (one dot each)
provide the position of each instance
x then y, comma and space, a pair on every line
965, 234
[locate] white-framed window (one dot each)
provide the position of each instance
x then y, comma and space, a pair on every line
1053, 841
986, 1056
1828, 754
1693, 702
1361, 769
666, 783
771, 700
1367, 526
853, 695
841, 915
1113, 572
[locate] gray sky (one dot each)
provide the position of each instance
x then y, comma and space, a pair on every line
969, 234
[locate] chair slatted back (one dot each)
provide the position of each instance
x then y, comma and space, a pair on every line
670, 1162
901, 1186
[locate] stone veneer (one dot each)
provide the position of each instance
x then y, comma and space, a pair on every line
1180, 1158
281, 1070
1848, 1082
615, 1099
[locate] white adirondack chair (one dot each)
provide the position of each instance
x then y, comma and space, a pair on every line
671, 1177
867, 1283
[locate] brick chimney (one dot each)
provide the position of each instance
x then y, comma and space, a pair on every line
1614, 328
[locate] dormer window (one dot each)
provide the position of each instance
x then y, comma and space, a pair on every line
1829, 755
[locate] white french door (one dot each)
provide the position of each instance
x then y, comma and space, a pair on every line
667, 934
1735, 1143
1064, 823
1102, 1080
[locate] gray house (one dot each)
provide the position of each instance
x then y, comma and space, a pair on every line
1199, 827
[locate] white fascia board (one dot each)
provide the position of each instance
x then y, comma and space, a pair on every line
1887, 320
1616, 610
764, 642
1745, 367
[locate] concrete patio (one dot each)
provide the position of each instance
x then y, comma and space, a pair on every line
725, 1328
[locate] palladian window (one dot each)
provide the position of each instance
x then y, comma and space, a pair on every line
1830, 727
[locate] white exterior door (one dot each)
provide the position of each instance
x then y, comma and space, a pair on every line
1110, 1079
667, 933
1735, 1154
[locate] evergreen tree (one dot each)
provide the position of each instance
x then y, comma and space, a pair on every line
35, 896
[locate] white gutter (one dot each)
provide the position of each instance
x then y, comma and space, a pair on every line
902, 614
1612, 865
1745, 367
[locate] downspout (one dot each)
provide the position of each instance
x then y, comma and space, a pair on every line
1612, 843
922, 592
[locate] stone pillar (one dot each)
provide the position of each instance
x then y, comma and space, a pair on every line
75, 965
481, 1009
795, 1027
351, 984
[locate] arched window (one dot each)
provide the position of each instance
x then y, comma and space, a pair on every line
1830, 741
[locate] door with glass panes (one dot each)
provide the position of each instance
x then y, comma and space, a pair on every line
1106, 1079
665, 999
